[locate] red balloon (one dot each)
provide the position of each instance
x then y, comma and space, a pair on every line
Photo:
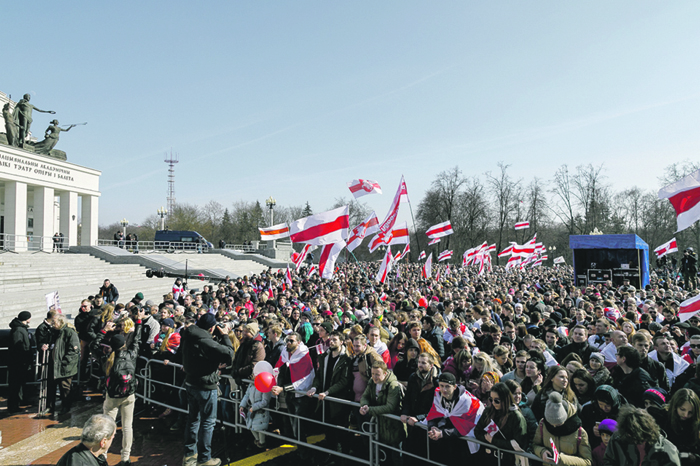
423, 303
264, 382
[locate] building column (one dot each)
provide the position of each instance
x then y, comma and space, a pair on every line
88, 218
15, 216
69, 218
44, 227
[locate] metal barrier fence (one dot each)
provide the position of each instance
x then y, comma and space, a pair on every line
154, 246
31, 243
242, 247
374, 448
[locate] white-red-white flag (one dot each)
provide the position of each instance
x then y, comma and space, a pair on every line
666, 248
400, 196
278, 231
689, 308
444, 255
298, 257
555, 452
326, 261
522, 225
403, 254
288, 277
360, 188
385, 266
559, 260
312, 270
421, 256
427, 271
324, 228
434, 241
440, 230
684, 196
507, 251
398, 235
492, 428
368, 226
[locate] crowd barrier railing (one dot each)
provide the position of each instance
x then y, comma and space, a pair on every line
32, 243
148, 247
375, 450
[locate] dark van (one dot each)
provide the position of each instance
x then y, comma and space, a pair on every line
174, 239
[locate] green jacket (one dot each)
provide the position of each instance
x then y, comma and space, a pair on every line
66, 353
619, 453
388, 401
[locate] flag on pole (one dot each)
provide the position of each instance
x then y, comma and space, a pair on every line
437, 275
440, 230
298, 257
400, 196
559, 260
398, 235
555, 452
689, 308
278, 231
421, 256
360, 188
329, 254
368, 226
402, 254
288, 277
385, 266
666, 248
492, 428
324, 228
444, 255
684, 196
312, 270
53, 303
427, 271
522, 225
434, 241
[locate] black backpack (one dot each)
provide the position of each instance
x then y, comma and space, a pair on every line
122, 382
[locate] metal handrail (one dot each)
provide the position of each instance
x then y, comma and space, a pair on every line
241, 247
14, 243
153, 246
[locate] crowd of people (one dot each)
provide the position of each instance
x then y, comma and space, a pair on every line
523, 361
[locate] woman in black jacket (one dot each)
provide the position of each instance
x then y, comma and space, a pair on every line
120, 370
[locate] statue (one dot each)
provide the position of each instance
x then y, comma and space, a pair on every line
10, 125
23, 117
50, 138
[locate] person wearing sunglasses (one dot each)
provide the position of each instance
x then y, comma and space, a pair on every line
502, 425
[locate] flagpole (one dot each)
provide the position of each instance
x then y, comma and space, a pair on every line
410, 207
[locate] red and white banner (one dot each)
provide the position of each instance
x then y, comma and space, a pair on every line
398, 235
403, 254
385, 267
400, 196
555, 452
329, 254
666, 248
324, 228
507, 251
427, 271
440, 230
492, 428
278, 231
368, 226
522, 225
298, 257
444, 255
312, 271
513, 262
689, 308
434, 241
288, 277
421, 256
684, 196
559, 260
301, 368
360, 188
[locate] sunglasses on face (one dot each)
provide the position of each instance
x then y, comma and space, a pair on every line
496, 401
695, 346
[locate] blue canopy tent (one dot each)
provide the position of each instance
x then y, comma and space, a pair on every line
598, 258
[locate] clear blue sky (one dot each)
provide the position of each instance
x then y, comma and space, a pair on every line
293, 99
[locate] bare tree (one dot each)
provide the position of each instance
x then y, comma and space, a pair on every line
505, 193
592, 195
358, 210
564, 205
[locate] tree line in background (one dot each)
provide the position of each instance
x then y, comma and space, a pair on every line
576, 201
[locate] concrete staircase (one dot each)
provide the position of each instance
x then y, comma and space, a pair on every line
26, 278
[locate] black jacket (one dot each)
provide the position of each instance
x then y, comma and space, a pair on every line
420, 394
582, 349
87, 324
341, 380
436, 340
633, 385
21, 355
657, 372
201, 356
81, 455
110, 294
130, 355
44, 334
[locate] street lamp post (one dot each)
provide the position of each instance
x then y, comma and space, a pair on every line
271, 202
162, 213
552, 250
124, 223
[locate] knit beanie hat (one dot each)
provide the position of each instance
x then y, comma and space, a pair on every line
328, 327
608, 426
599, 357
24, 315
168, 322
207, 321
656, 395
117, 342
555, 412
493, 376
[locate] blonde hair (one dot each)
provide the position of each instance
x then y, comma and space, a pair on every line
107, 314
